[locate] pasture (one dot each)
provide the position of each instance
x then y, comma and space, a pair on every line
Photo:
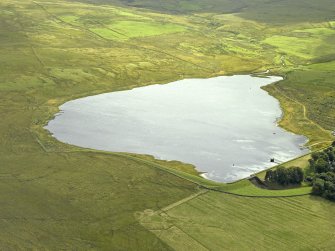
212, 221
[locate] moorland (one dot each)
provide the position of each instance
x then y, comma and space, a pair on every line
56, 196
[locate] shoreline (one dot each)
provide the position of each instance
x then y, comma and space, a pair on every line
200, 173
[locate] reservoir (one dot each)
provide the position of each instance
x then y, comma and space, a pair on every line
225, 126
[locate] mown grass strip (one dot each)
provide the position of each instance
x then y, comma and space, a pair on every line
242, 187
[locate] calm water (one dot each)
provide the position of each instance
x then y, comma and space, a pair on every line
225, 126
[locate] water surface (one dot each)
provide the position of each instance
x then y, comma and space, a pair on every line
225, 126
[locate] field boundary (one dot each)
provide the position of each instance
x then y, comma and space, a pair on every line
201, 182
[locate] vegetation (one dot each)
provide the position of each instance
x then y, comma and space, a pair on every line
324, 185
240, 188
301, 161
214, 220
285, 176
55, 196
123, 30
322, 169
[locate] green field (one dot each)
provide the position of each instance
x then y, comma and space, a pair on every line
243, 224
124, 30
60, 197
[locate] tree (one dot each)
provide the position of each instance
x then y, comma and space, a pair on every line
318, 186
268, 175
285, 176
297, 175
282, 175
321, 166
331, 156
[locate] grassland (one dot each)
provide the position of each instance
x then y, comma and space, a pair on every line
240, 188
124, 30
276, 223
55, 196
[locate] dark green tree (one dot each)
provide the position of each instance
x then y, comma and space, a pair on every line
285, 176
318, 186
321, 166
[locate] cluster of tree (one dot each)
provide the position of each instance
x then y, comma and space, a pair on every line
322, 168
285, 176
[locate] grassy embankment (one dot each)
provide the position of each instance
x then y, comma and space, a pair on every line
57, 196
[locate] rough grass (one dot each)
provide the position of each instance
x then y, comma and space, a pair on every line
80, 201
304, 43
308, 96
297, 107
299, 47
272, 12
55, 196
